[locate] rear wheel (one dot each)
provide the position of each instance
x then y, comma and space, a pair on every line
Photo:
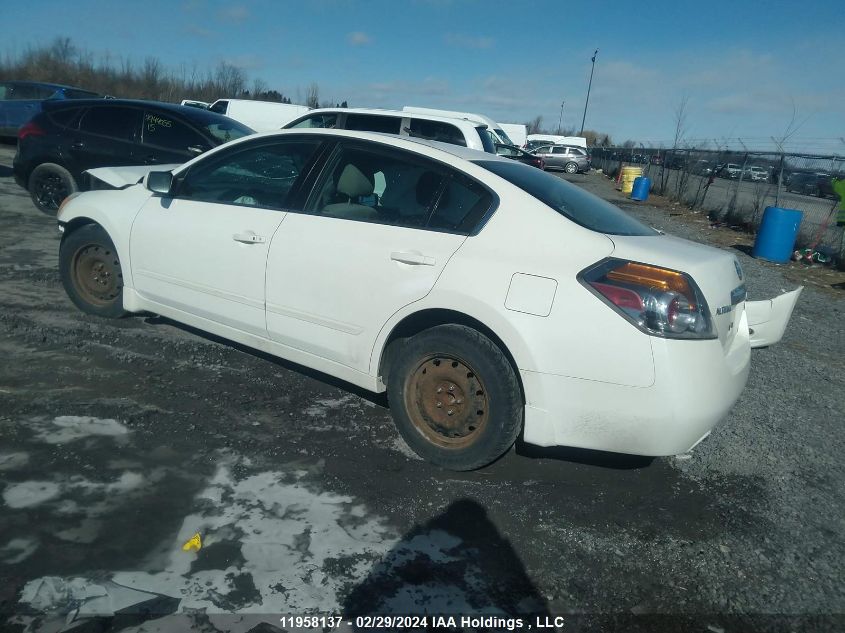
49, 185
91, 273
455, 398
571, 168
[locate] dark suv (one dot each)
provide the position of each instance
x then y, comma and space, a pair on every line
68, 137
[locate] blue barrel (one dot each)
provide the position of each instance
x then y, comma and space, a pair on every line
776, 237
641, 188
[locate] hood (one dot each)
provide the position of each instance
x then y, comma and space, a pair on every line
122, 177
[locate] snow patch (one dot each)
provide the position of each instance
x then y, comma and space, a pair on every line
29, 493
11, 461
73, 427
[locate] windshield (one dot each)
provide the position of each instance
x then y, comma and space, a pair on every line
504, 136
569, 200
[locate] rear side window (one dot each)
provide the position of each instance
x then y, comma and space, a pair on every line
165, 131
32, 92
114, 122
326, 120
373, 123
64, 117
461, 205
436, 131
72, 93
569, 200
5, 91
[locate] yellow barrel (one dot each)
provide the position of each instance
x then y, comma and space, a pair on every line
629, 175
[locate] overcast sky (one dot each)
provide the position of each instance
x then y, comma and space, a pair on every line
742, 65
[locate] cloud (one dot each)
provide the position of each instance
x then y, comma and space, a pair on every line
358, 38
235, 13
468, 41
196, 29
246, 62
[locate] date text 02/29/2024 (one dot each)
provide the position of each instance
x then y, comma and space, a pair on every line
415, 622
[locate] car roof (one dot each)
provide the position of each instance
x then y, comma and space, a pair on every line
398, 113
405, 142
48, 84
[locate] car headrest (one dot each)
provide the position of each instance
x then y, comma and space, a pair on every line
353, 182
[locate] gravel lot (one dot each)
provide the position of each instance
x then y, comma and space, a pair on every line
121, 440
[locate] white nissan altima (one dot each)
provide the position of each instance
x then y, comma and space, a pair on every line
488, 298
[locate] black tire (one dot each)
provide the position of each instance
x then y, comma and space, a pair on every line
91, 273
570, 168
49, 184
484, 397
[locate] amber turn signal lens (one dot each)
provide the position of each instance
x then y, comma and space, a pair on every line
653, 277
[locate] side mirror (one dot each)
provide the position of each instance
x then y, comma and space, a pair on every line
159, 181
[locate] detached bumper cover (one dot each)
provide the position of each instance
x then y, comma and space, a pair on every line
768, 319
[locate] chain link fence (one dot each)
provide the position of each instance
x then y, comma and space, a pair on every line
735, 187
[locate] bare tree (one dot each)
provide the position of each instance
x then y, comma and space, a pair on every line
534, 126
312, 96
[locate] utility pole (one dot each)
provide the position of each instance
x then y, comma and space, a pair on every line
560, 119
589, 86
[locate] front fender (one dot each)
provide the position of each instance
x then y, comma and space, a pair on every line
115, 211
767, 319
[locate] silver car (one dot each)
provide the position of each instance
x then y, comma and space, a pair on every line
571, 159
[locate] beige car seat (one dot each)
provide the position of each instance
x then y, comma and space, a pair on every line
352, 184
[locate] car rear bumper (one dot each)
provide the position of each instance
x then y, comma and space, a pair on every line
696, 384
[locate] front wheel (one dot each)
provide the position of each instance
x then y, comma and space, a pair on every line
91, 273
455, 398
571, 168
49, 185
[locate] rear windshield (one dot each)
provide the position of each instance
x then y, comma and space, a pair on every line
569, 200
219, 127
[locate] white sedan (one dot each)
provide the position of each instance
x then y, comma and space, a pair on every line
488, 298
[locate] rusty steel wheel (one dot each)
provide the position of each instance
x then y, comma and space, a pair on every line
91, 273
454, 397
446, 401
96, 274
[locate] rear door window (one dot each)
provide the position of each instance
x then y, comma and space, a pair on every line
436, 131
373, 123
163, 130
113, 121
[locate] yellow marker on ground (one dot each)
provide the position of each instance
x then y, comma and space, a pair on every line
193, 544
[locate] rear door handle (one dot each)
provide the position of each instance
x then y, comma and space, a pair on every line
249, 238
78, 145
414, 259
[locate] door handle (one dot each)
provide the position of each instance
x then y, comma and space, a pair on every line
78, 145
249, 238
414, 259
149, 160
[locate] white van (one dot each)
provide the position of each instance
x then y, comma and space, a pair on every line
556, 139
464, 132
499, 135
517, 132
261, 116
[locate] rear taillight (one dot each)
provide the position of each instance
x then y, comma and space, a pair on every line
659, 301
30, 129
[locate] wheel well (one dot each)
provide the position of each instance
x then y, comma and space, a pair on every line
77, 223
425, 319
